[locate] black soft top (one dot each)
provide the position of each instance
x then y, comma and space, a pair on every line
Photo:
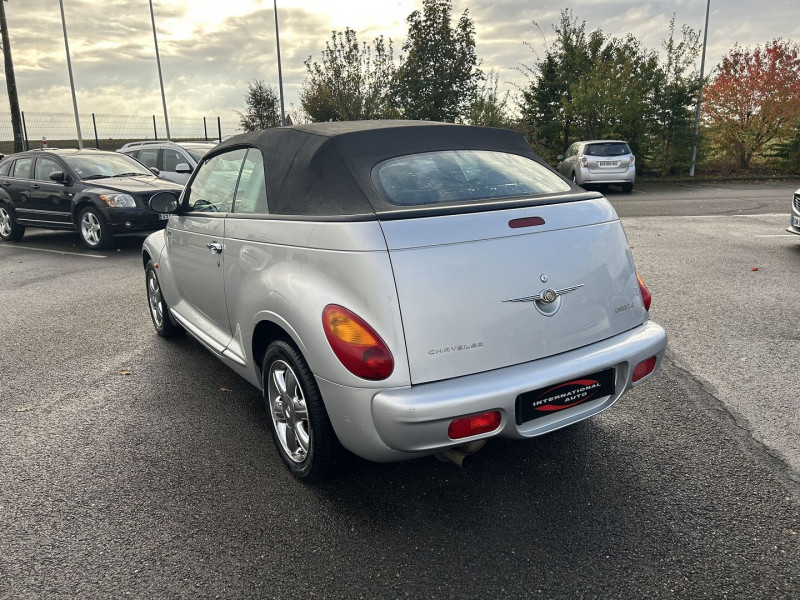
325, 169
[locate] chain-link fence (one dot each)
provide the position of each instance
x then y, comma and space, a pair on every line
109, 132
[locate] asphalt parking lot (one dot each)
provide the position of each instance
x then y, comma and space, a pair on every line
134, 466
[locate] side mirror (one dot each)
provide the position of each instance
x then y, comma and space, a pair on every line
58, 176
155, 171
183, 168
164, 203
560, 157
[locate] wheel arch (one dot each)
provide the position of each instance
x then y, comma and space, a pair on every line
266, 332
78, 205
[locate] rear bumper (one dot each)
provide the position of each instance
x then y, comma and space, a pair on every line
401, 423
597, 176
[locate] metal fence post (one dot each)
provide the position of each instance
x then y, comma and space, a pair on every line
205, 128
25, 132
155, 131
219, 129
96, 141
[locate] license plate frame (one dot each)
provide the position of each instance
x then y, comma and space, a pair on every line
795, 221
163, 216
564, 395
608, 163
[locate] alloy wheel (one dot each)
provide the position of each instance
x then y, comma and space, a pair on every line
5, 222
154, 296
90, 228
288, 410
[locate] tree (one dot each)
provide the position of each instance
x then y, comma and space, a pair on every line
263, 107
589, 86
352, 82
546, 108
489, 109
754, 98
678, 85
439, 77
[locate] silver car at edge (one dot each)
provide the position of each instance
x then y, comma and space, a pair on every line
794, 223
599, 162
402, 289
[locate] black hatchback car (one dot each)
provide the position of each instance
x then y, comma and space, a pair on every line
98, 194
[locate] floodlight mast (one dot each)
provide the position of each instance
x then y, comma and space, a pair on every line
11, 83
160, 77
280, 75
699, 94
71, 80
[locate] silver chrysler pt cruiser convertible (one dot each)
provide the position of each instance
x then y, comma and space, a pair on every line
402, 289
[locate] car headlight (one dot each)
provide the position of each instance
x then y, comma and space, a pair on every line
118, 200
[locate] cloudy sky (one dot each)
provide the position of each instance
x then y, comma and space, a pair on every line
210, 49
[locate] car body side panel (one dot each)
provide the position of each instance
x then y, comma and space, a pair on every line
197, 275
281, 271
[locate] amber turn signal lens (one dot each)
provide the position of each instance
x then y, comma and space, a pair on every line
356, 345
474, 425
647, 297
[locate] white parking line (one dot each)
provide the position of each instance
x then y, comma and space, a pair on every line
777, 235
700, 186
640, 192
53, 251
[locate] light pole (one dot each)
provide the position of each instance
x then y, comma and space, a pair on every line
11, 82
280, 75
160, 77
71, 80
699, 94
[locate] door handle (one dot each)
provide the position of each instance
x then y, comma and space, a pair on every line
215, 247
34, 186
6, 182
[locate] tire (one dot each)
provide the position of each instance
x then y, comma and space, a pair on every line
303, 435
159, 311
627, 188
10, 230
93, 229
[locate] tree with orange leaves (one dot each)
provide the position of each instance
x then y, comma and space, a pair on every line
754, 98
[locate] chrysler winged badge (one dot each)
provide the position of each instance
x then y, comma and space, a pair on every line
548, 301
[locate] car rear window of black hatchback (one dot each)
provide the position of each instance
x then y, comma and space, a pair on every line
461, 176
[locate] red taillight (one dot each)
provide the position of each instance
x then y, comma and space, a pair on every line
474, 425
644, 368
356, 345
647, 297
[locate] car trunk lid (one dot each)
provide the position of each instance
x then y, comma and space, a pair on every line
467, 285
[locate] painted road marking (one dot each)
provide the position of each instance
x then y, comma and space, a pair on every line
53, 251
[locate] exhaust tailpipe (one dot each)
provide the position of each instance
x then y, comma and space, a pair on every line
457, 456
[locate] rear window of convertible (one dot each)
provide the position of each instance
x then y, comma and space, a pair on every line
461, 176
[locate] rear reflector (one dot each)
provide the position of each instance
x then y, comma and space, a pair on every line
474, 425
525, 222
644, 368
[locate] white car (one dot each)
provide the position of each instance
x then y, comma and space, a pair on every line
794, 224
599, 162
402, 289
174, 160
